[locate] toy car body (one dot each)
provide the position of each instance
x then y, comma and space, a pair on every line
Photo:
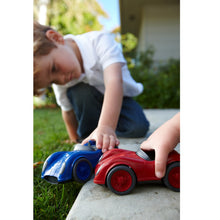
121, 169
75, 165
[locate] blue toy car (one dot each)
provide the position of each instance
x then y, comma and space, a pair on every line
75, 165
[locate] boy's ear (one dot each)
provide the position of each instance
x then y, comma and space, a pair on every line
55, 36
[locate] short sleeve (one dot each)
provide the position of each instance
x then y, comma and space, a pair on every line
61, 97
108, 50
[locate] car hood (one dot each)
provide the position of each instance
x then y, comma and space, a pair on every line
121, 154
54, 163
62, 162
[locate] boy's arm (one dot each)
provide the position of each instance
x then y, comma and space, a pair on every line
104, 134
163, 141
71, 124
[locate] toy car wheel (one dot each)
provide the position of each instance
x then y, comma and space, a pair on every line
121, 180
82, 170
172, 177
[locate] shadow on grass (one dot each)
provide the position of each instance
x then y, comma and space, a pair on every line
51, 201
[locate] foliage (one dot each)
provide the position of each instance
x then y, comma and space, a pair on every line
72, 16
129, 42
75, 17
51, 201
50, 96
161, 81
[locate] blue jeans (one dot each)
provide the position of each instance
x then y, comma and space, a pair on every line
87, 104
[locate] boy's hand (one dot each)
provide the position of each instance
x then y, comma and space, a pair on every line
105, 138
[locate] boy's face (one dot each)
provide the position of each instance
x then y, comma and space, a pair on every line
60, 66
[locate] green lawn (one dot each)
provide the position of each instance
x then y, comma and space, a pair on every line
51, 201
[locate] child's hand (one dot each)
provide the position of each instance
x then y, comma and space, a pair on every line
163, 141
105, 138
161, 153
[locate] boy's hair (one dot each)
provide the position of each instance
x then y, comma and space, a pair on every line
42, 46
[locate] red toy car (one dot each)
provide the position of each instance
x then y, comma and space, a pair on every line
120, 170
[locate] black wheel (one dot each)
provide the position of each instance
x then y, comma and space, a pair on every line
121, 180
82, 170
172, 177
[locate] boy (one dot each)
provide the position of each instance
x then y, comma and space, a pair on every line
92, 85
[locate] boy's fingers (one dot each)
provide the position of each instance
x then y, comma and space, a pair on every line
160, 163
117, 142
112, 142
99, 142
85, 141
106, 142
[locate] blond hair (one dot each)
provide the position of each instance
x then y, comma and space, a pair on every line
42, 46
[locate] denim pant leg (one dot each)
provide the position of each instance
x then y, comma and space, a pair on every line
132, 121
87, 104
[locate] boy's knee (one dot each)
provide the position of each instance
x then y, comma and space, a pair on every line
136, 130
140, 130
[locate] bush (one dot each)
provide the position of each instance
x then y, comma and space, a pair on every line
161, 82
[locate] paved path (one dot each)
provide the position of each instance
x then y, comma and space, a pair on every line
150, 201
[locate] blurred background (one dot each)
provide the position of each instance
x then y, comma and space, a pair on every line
148, 31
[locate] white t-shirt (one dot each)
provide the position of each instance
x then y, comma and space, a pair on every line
98, 51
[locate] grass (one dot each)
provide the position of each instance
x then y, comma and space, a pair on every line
51, 201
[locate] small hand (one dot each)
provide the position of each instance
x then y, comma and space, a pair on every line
163, 141
105, 138
160, 142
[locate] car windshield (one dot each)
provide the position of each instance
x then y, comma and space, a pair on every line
89, 146
146, 155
